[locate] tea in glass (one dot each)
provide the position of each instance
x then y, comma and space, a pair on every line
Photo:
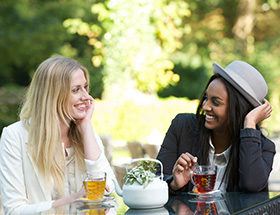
204, 178
94, 185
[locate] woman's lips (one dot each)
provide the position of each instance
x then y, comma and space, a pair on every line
81, 107
209, 117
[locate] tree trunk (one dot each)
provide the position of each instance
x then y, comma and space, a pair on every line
244, 23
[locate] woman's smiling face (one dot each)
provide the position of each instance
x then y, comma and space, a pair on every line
79, 95
215, 106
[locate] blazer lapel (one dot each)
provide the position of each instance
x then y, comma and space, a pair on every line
40, 179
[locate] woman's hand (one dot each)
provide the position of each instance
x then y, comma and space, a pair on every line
69, 199
257, 115
107, 188
182, 169
90, 108
89, 111
91, 149
81, 193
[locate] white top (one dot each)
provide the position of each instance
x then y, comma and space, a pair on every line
70, 183
221, 161
23, 189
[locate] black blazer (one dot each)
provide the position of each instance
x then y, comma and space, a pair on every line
256, 152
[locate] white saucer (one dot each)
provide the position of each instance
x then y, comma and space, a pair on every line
95, 202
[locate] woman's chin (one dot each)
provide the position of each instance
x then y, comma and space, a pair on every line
207, 125
79, 116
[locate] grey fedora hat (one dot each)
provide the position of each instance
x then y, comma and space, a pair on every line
246, 79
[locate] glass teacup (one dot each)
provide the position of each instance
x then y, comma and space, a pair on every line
203, 178
94, 185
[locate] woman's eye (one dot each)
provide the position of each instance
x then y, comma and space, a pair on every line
75, 90
215, 102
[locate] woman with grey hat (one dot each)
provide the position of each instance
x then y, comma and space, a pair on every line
224, 132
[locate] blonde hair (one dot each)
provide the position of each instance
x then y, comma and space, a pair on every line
46, 105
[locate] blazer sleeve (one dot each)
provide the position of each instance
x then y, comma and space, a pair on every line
14, 196
256, 155
168, 153
102, 164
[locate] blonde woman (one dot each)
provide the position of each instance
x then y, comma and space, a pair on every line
45, 156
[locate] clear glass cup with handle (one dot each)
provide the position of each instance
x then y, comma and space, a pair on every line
203, 178
94, 185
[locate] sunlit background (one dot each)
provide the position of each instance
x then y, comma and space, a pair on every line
148, 59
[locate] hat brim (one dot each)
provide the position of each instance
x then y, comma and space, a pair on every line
237, 83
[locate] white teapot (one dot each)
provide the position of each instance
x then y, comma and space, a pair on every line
137, 196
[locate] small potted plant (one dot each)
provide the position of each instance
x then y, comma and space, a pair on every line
143, 174
142, 187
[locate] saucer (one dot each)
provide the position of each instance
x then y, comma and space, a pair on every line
211, 193
87, 208
206, 199
95, 202
212, 196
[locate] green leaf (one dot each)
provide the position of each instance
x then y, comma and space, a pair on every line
143, 174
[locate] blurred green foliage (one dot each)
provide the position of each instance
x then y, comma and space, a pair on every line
160, 47
187, 86
133, 41
11, 98
31, 31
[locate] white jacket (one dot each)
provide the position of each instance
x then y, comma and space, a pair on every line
23, 189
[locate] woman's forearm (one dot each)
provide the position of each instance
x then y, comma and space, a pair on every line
255, 160
91, 148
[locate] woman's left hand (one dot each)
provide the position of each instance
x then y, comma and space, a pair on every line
69, 199
257, 115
